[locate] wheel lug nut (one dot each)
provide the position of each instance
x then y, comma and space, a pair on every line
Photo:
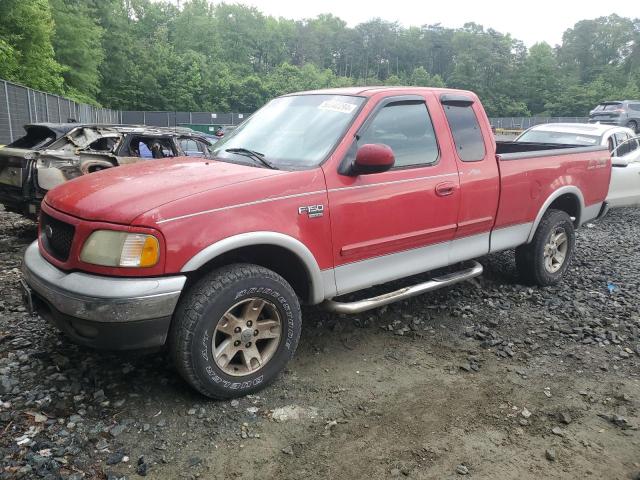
255, 333
237, 329
248, 345
249, 323
236, 343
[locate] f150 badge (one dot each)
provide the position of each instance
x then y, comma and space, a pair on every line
312, 210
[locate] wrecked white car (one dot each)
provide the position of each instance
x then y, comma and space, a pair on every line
27, 173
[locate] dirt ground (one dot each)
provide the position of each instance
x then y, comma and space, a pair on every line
488, 380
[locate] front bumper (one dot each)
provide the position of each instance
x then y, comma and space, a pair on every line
102, 312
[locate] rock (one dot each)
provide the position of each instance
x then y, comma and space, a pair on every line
462, 470
114, 458
142, 468
235, 403
558, 431
617, 420
550, 454
117, 430
288, 450
6, 384
294, 412
565, 418
525, 413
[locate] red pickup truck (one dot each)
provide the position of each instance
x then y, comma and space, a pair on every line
317, 195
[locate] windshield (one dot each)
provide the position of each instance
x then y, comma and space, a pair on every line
292, 132
560, 138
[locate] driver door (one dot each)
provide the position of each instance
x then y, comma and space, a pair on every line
399, 222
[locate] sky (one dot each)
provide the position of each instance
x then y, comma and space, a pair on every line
531, 22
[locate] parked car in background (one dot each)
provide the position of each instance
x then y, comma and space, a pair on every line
625, 113
40, 135
622, 142
27, 171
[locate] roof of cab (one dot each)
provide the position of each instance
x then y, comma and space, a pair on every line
372, 90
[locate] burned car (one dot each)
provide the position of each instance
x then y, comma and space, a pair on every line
27, 173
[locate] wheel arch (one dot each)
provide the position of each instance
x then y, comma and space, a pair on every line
281, 253
568, 199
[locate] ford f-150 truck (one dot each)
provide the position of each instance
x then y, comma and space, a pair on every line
317, 195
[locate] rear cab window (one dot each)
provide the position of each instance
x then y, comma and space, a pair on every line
465, 128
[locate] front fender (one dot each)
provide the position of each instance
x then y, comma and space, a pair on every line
248, 239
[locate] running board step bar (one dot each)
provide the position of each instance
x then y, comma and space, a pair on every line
434, 284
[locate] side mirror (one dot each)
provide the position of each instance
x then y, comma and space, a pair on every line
373, 158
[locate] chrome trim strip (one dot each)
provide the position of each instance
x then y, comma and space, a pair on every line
406, 180
296, 195
246, 204
403, 293
101, 299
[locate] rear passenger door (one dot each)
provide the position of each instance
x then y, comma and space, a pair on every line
479, 177
393, 224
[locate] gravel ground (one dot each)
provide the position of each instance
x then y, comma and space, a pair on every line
487, 379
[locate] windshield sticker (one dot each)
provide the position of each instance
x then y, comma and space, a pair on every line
585, 139
336, 106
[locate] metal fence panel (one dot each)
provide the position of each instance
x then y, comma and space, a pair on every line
5, 125
522, 123
20, 105
18, 109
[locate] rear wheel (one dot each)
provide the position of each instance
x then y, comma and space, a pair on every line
633, 125
235, 330
545, 260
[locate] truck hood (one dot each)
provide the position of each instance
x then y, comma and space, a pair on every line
119, 195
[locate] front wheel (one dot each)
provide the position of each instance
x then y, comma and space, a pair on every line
235, 330
633, 125
545, 260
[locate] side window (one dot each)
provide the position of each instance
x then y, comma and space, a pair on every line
150, 147
466, 132
635, 106
623, 148
188, 145
405, 127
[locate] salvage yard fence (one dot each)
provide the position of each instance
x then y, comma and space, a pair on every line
176, 119
20, 105
522, 123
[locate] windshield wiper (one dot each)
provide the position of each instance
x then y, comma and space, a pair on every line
253, 155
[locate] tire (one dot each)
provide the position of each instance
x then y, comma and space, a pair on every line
633, 125
214, 316
536, 262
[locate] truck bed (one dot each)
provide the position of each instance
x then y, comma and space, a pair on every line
526, 185
520, 150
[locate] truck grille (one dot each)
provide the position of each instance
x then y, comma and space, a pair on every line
57, 236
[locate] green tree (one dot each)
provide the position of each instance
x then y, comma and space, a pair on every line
78, 47
26, 29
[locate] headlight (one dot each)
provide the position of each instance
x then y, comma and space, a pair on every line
120, 249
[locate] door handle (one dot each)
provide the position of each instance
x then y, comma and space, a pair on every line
445, 188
